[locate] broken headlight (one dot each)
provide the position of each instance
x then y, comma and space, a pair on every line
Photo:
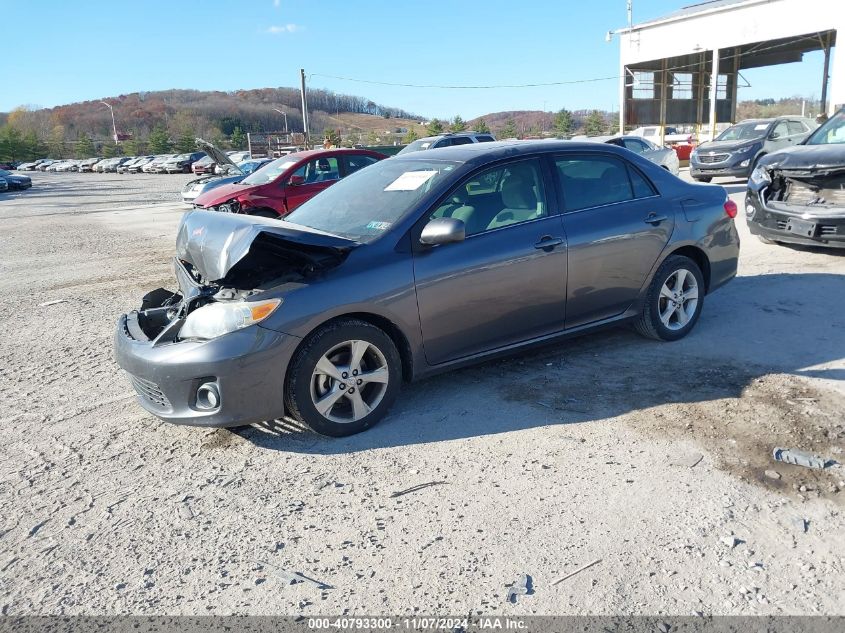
216, 319
760, 176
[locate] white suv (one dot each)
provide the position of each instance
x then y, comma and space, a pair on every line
447, 140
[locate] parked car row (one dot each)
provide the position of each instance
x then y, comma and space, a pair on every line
10, 181
157, 164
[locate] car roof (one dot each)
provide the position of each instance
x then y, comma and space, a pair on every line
495, 150
336, 151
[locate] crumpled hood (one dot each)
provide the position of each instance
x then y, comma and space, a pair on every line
807, 158
214, 242
726, 146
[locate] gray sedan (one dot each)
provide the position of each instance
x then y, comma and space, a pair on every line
417, 265
666, 157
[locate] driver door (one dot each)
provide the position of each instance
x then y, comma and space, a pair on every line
506, 282
316, 175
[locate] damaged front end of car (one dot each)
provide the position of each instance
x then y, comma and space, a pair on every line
799, 197
192, 354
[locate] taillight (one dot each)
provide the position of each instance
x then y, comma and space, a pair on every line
730, 208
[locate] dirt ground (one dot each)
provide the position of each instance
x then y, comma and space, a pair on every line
650, 457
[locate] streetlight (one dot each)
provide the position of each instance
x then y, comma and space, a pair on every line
113, 124
284, 114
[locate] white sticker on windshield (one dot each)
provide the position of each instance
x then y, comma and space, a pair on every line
410, 181
379, 226
761, 126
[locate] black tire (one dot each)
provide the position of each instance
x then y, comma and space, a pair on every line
298, 383
702, 178
766, 240
649, 323
265, 213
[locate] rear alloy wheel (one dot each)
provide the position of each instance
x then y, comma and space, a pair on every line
674, 300
344, 378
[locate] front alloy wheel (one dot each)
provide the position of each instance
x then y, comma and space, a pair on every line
349, 381
343, 378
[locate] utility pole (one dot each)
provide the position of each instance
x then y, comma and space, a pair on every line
284, 114
113, 124
304, 107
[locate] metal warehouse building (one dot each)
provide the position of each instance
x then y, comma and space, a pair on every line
666, 65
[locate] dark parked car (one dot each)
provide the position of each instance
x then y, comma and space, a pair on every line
4, 185
798, 195
8, 166
735, 151
281, 186
16, 181
416, 265
181, 164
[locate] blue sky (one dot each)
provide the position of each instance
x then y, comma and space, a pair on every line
66, 51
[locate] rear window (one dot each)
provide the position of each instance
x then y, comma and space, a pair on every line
594, 181
484, 138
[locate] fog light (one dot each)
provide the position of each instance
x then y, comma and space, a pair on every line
745, 163
749, 211
208, 397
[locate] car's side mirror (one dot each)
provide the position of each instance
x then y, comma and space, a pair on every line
774, 135
295, 181
443, 231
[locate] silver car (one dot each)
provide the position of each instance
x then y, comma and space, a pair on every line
663, 156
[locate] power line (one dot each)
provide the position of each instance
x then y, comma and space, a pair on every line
689, 66
454, 87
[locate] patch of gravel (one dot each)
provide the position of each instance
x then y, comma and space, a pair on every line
651, 457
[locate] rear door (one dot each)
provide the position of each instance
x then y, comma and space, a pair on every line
506, 282
616, 227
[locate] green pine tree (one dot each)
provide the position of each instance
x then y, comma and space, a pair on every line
481, 126
595, 125
109, 150
238, 138
186, 143
159, 140
56, 142
509, 130
457, 125
563, 123
410, 137
434, 127
84, 146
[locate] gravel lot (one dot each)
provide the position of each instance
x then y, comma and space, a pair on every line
651, 457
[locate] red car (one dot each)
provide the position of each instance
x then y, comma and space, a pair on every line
279, 187
204, 165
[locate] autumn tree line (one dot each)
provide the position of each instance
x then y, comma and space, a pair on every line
169, 121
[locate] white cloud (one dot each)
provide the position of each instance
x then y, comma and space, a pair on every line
285, 28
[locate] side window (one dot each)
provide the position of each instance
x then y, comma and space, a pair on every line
483, 138
354, 163
497, 197
642, 187
593, 181
321, 170
461, 140
635, 145
781, 130
795, 128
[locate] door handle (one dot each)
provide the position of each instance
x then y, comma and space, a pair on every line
548, 243
655, 219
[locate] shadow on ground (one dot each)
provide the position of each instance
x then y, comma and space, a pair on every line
752, 332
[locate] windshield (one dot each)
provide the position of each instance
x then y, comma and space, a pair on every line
3, 172
251, 165
416, 146
182, 157
745, 131
269, 173
366, 204
833, 131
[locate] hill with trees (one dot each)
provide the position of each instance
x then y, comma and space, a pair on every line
170, 119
